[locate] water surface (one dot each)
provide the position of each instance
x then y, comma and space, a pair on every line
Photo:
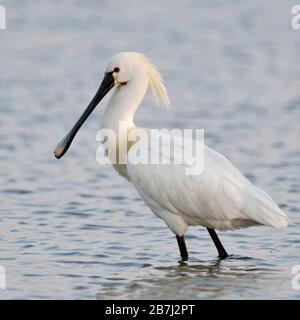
75, 229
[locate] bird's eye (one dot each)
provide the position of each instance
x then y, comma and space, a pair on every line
116, 69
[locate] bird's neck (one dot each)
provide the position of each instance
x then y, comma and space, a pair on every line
119, 115
124, 103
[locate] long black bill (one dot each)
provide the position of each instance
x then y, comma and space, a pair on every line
106, 85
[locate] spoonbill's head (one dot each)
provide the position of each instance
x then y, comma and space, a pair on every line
122, 67
130, 67
124, 71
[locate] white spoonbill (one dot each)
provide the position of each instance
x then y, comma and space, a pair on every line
219, 198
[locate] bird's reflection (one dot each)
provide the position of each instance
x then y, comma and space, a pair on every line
195, 279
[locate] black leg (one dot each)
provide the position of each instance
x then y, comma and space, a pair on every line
182, 248
222, 252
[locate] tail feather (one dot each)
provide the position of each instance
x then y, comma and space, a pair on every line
260, 207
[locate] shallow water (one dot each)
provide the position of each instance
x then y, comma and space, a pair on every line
74, 229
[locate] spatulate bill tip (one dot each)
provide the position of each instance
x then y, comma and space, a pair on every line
59, 152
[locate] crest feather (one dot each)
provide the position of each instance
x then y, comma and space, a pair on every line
156, 83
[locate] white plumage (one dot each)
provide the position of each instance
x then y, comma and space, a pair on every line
220, 198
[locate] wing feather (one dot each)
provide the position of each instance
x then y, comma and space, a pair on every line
220, 197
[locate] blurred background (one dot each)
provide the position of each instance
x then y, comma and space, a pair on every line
75, 229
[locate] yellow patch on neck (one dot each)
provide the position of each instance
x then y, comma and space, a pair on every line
117, 82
